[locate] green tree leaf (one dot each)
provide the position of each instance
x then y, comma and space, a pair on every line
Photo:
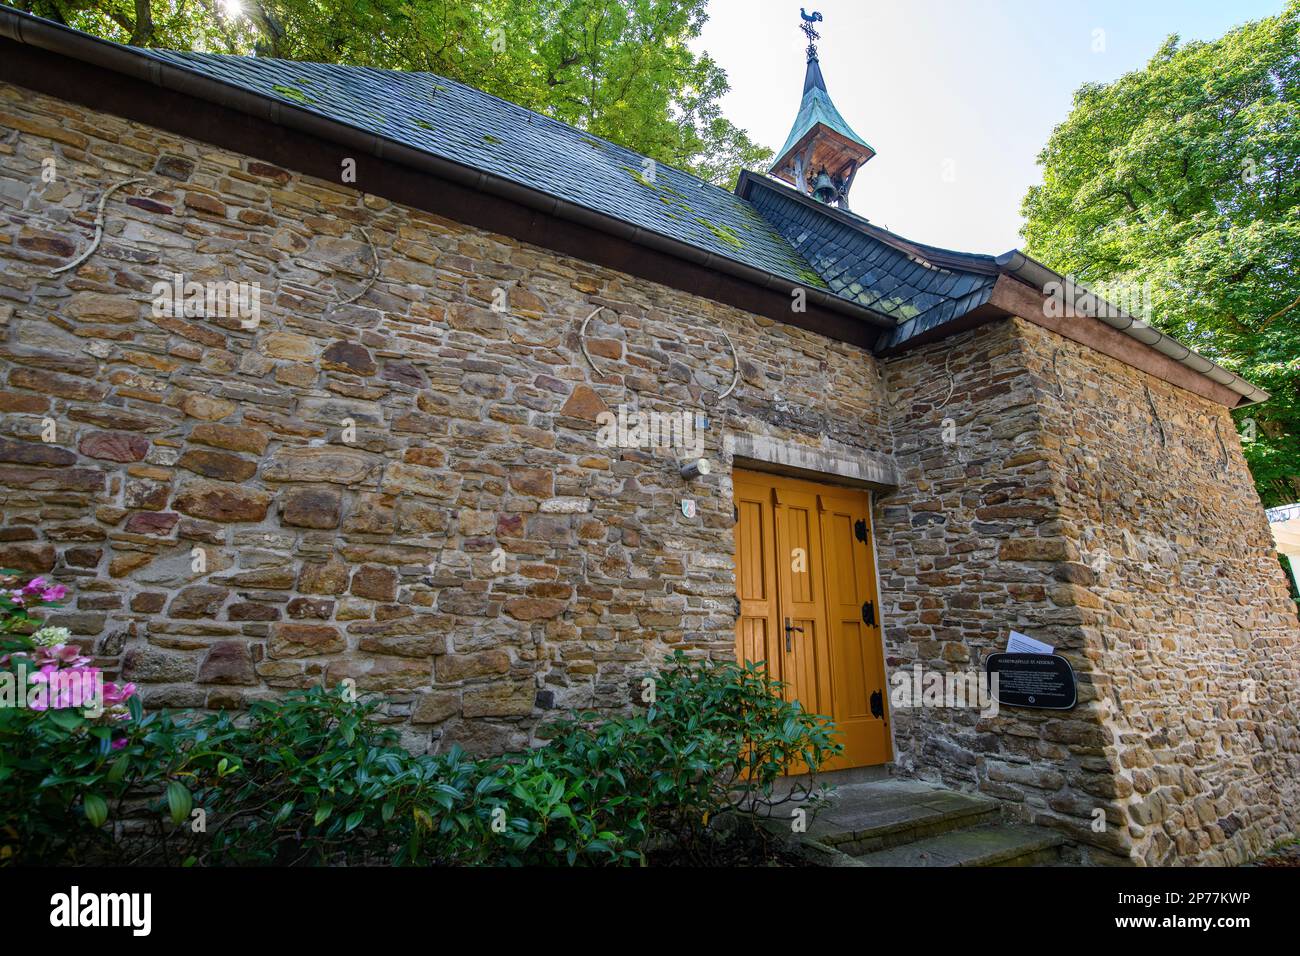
96, 809
1179, 183
179, 801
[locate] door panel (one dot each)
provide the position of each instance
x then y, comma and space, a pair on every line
801, 597
856, 659
799, 559
758, 635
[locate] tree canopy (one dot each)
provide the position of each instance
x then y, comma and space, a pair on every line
621, 69
1180, 180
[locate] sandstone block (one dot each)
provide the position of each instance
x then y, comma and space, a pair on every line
331, 577
348, 357
205, 407
221, 502
217, 464
305, 640
200, 600
435, 706
311, 508
403, 478
531, 609
378, 584
319, 463
227, 662
155, 666
114, 446
152, 522
504, 699
1038, 549
35, 453
229, 437
451, 668
585, 404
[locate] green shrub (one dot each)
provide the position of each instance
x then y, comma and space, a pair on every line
313, 779
715, 740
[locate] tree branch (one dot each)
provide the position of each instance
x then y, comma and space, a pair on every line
1280, 312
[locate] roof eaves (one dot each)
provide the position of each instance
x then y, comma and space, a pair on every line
1084, 302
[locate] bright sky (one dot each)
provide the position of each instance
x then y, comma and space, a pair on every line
956, 96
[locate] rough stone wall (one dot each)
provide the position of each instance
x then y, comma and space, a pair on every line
971, 546
1050, 505
373, 558
1190, 620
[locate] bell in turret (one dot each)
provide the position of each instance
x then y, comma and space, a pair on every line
824, 188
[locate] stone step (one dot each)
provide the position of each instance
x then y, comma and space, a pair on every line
864, 818
995, 845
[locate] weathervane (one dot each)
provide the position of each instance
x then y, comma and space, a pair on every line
810, 31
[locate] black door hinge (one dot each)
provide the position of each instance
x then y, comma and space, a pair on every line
735, 514
877, 705
860, 530
869, 613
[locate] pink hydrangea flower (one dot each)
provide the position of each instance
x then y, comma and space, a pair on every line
68, 655
65, 688
118, 693
75, 686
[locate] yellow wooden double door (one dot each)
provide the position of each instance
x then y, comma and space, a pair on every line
806, 585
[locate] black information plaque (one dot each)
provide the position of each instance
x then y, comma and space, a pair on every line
1033, 680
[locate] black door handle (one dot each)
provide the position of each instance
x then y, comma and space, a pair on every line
788, 628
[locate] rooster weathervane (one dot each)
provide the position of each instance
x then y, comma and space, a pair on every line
809, 30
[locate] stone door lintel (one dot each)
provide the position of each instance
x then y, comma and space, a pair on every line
833, 462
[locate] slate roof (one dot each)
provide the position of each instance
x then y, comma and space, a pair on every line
919, 286
480, 131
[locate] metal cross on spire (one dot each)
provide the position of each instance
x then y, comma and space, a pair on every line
810, 31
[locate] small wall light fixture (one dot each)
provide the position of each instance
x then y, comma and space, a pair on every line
696, 468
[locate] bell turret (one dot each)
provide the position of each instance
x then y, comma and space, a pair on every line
820, 138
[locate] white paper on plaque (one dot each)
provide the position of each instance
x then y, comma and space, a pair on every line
1023, 644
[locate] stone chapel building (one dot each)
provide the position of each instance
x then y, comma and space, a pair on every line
314, 373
